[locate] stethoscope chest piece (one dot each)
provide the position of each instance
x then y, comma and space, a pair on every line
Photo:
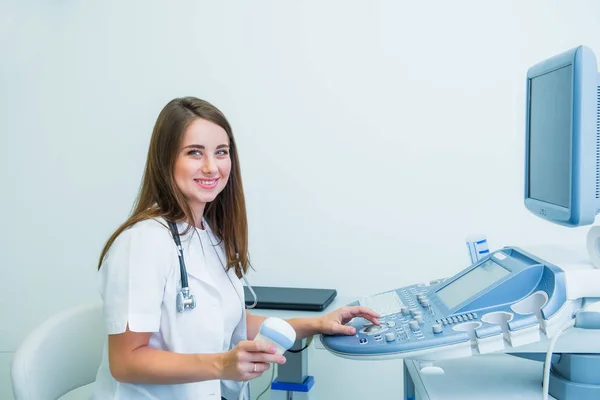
185, 300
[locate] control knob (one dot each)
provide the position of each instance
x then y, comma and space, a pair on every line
414, 325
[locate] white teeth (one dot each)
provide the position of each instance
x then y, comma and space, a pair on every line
207, 182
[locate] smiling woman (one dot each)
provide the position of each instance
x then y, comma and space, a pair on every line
162, 341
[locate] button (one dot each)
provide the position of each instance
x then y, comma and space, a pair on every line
459, 318
419, 319
437, 328
435, 282
390, 337
474, 315
470, 316
415, 312
405, 311
454, 319
414, 325
372, 329
391, 324
425, 303
445, 321
362, 340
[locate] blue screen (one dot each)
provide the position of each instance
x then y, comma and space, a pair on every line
550, 111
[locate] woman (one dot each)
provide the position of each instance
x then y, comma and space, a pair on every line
156, 348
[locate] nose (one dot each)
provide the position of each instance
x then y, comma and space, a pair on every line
209, 167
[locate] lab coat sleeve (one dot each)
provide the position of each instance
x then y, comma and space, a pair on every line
133, 278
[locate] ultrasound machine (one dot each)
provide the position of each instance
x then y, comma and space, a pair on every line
514, 296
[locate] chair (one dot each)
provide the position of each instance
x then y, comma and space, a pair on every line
60, 355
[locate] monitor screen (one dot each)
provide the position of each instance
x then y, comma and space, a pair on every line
471, 283
550, 117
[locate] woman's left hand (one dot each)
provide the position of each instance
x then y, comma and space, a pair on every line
334, 322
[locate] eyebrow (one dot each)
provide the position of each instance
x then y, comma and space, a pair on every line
201, 147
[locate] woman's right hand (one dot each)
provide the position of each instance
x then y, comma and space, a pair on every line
248, 360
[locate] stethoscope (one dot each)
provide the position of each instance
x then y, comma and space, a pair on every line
185, 299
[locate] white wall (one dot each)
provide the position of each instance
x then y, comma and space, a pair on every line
374, 136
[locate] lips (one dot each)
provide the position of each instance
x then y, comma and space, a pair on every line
207, 183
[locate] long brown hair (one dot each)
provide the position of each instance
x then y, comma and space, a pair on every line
160, 197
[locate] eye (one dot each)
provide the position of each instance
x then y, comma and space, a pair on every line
222, 152
194, 153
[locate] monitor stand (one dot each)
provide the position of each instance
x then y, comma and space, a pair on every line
572, 376
575, 377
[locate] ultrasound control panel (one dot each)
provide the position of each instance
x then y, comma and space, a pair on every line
507, 299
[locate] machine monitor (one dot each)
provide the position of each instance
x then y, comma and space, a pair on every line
562, 175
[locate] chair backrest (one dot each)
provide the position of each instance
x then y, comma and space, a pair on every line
60, 355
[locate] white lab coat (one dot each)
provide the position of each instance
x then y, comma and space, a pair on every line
139, 282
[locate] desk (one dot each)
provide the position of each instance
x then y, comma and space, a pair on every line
490, 377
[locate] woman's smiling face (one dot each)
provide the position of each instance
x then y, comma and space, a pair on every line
203, 164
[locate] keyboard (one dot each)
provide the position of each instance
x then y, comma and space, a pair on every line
384, 303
